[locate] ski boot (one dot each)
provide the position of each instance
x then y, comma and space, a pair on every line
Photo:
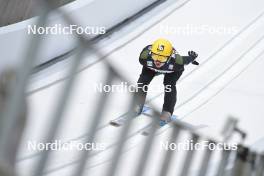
165, 118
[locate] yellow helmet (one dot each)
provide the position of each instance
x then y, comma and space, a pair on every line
161, 50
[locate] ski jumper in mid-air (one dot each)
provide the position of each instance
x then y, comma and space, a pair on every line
162, 58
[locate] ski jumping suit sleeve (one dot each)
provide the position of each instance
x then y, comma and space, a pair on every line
172, 71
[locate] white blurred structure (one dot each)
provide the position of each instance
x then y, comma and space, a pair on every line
10, 145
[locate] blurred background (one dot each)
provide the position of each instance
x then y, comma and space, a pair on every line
16, 11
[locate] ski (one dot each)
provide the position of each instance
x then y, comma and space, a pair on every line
146, 131
125, 117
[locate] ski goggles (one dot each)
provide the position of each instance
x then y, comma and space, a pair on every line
159, 58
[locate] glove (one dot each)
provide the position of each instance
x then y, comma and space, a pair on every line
190, 58
193, 54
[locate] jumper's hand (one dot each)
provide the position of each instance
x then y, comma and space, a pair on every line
193, 55
195, 63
